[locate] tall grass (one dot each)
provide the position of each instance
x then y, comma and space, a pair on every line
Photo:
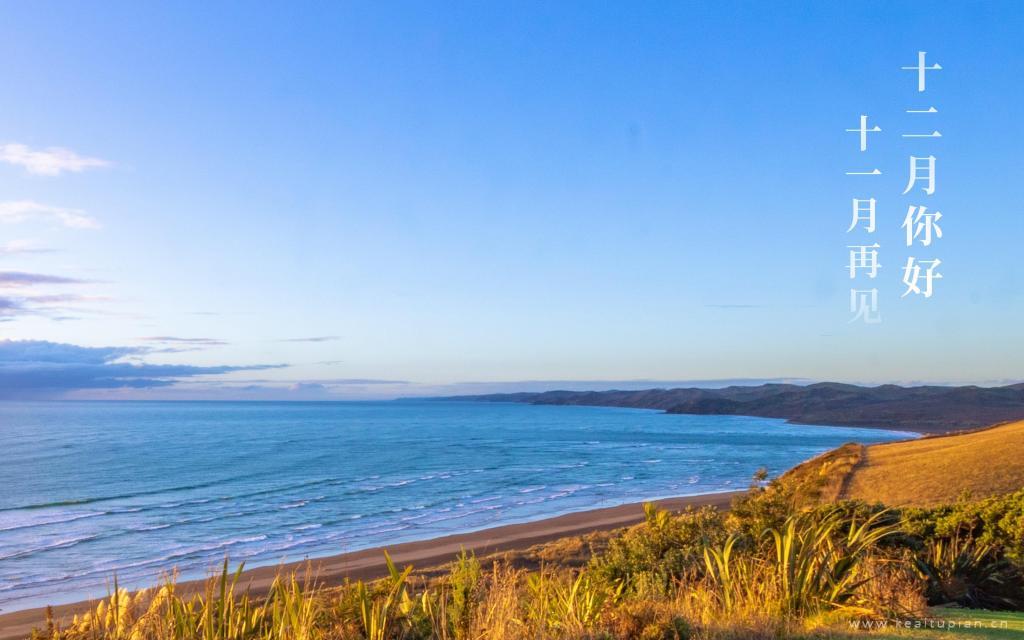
812, 567
819, 569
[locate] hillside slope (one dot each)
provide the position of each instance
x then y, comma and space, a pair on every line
925, 409
923, 472
937, 470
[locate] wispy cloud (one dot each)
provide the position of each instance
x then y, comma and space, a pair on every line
23, 210
23, 300
357, 381
37, 368
51, 161
54, 307
312, 339
208, 342
174, 344
65, 298
11, 279
17, 247
10, 308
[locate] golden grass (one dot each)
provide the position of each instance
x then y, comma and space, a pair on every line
938, 470
809, 577
823, 478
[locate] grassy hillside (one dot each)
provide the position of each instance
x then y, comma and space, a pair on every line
925, 472
936, 470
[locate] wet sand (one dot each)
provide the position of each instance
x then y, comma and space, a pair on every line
369, 563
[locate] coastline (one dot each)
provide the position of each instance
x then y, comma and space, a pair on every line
931, 410
369, 563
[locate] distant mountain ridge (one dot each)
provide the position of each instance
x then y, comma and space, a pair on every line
925, 409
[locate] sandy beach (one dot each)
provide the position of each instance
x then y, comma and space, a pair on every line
369, 563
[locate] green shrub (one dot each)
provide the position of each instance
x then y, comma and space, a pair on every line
997, 521
464, 583
650, 557
968, 573
971, 552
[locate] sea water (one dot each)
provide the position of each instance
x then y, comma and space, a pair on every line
90, 490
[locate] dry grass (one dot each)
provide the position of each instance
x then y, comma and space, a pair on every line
824, 478
802, 580
938, 470
926, 472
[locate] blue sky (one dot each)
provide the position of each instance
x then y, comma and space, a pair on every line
309, 200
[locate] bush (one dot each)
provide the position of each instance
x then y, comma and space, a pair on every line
971, 552
464, 582
650, 557
997, 521
968, 573
648, 620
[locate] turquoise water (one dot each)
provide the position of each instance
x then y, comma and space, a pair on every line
90, 489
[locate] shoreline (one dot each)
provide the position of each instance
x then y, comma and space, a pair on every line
369, 563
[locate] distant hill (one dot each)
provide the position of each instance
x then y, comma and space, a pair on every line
925, 409
924, 472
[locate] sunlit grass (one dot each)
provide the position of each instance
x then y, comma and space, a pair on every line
923, 472
815, 569
767, 569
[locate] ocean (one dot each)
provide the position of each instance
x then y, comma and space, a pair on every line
93, 489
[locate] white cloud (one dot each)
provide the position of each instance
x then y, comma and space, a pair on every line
51, 161
14, 247
22, 210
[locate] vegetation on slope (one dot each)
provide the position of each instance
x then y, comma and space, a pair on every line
924, 472
937, 470
766, 569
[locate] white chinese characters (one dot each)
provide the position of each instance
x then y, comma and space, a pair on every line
920, 225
